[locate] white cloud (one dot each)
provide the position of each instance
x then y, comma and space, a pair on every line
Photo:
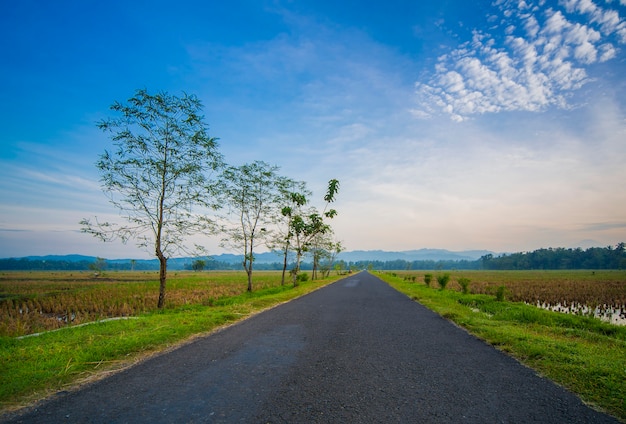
539, 62
325, 103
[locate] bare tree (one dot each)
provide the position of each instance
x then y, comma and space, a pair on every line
159, 174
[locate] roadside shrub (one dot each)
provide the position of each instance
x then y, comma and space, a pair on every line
443, 280
428, 278
302, 277
464, 283
500, 293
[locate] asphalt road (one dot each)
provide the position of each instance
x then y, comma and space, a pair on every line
356, 351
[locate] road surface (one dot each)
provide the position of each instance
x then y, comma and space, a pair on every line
356, 351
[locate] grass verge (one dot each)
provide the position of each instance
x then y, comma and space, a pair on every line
583, 354
32, 368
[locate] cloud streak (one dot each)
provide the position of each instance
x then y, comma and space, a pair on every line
540, 60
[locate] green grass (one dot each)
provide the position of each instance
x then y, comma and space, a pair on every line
583, 354
33, 367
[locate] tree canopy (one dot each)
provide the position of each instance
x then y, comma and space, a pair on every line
159, 173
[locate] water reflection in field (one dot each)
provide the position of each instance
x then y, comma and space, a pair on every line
611, 314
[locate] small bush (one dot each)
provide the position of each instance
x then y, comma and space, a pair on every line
302, 277
443, 280
464, 283
428, 278
500, 293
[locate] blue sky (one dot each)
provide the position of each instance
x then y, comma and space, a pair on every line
496, 125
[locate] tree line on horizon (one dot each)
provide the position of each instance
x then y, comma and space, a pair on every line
541, 259
28, 264
560, 258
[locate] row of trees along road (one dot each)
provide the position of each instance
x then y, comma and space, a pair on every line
169, 181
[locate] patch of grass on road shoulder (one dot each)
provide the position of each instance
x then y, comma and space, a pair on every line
34, 367
586, 356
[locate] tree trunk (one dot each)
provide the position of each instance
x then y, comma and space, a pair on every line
296, 270
316, 261
248, 259
248, 267
282, 281
162, 279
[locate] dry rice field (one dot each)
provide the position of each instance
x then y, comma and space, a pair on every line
32, 302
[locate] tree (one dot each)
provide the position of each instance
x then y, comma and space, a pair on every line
98, 266
324, 250
251, 193
293, 196
305, 227
158, 175
198, 265
443, 280
334, 249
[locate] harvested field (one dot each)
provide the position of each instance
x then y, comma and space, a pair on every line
31, 302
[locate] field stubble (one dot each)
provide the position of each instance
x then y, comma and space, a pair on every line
33, 302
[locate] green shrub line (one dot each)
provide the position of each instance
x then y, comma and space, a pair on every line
583, 354
32, 368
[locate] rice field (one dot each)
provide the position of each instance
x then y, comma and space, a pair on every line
32, 302
599, 293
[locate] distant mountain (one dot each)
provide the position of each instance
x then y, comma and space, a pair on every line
413, 255
272, 257
261, 258
560, 258
67, 258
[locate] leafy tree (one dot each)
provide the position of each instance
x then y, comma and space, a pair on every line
339, 267
464, 283
334, 249
252, 195
324, 250
158, 175
198, 265
305, 227
443, 281
98, 266
319, 250
293, 197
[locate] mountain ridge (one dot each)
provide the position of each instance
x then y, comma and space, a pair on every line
271, 257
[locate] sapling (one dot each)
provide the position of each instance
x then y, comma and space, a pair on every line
500, 293
464, 283
443, 280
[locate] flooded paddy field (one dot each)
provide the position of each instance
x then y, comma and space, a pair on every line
597, 293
